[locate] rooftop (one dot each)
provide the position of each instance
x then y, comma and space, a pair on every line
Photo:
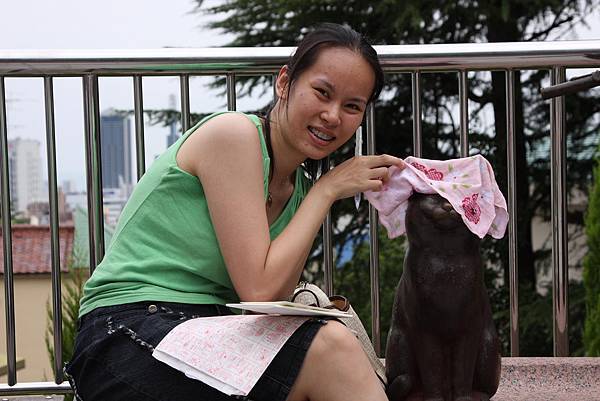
32, 249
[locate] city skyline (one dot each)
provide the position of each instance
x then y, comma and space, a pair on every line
133, 24
29, 189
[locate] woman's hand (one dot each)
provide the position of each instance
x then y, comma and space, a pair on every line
358, 174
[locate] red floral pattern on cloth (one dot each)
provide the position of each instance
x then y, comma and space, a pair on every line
432, 173
471, 208
468, 184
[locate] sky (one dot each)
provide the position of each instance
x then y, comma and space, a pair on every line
111, 24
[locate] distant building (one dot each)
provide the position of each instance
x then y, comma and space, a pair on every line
39, 212
115, 142
68, 186
113, 201
173, 134
25, 167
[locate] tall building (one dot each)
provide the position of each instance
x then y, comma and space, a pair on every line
25, 167
115, 142
173, 134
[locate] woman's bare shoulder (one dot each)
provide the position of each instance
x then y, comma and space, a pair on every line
228, 125
228, 136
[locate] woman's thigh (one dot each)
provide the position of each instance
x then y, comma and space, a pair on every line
113, 357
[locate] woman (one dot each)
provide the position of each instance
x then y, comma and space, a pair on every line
226, 215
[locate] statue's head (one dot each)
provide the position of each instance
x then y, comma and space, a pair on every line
431, 217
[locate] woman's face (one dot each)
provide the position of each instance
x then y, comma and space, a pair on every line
326, 103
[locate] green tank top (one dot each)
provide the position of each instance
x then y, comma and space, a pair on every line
164, 247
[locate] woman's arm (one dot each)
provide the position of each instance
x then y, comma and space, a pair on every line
226, 157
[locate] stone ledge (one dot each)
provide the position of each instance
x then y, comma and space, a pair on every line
549, 379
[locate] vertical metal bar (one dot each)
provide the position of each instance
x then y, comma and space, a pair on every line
327, 242
463, 94
230, 80
9, 290
140, 148
513, 266
373, 244
184, 85
93, 169
328, 254
54, 238
416, 113
558, 189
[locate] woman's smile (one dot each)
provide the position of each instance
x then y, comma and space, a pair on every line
320, 136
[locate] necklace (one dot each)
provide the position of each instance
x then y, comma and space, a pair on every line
269, 199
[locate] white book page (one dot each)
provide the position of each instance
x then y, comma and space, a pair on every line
288, 308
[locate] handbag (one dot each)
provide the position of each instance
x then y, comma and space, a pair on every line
311, 294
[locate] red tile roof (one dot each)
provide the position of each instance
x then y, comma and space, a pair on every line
31, 248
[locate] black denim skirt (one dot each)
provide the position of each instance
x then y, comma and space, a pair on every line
112, 359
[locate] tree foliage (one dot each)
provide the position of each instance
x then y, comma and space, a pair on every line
591, 273
283, 23
353, 279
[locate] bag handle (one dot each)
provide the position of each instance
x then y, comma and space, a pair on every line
300, 291
338, 302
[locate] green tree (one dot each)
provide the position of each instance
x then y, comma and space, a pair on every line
352, 278
591, 272
282, 23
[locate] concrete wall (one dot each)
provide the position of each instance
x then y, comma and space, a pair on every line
32, 291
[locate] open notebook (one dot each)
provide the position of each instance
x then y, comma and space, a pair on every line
229, 353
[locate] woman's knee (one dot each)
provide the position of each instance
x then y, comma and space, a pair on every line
335, 338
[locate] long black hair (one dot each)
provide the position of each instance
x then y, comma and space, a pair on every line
325, 36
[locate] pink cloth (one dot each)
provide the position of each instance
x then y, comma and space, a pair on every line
467, 183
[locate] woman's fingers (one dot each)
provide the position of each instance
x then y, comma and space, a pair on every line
386, 160
380, 173
360, 174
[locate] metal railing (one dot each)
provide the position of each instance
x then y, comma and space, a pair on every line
232, 62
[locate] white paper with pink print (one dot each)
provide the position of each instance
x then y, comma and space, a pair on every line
467, 183
229, 353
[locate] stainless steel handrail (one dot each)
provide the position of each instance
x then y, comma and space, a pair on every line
252, 60
236, 62
511, 145
9, 291
55, 245
558, 191
138, 107
373, 244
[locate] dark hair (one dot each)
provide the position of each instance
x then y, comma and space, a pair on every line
325, 36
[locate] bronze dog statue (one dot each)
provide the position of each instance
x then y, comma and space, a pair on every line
442, 343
